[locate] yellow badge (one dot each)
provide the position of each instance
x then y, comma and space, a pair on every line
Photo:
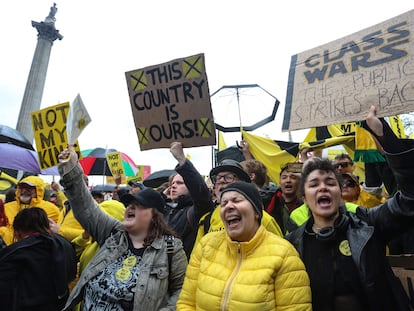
344, 248
124, 273
130, 261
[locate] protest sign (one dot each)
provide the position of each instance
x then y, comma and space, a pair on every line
49, 128
114, 161
171, 102
337, 82
78, 119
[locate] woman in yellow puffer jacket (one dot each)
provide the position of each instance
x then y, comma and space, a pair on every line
244, 267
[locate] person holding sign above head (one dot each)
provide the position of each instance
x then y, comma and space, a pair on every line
140, 265
344, 253
244, 267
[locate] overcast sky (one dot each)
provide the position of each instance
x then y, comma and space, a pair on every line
244, 42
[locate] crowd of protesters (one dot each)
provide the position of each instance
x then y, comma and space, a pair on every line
318, 240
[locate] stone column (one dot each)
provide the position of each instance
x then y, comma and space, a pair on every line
33, 93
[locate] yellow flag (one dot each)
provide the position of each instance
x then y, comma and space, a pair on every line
221, 143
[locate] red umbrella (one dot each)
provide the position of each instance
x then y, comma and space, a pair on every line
94, 162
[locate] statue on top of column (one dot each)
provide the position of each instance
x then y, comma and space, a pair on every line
50, 19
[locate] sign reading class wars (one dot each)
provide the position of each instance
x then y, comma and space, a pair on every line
49, 128
171, 102
337, 82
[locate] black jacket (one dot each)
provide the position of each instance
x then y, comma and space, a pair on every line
184, 218
35, 273
368, 232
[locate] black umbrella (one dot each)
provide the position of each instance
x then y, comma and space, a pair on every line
12, 136
232, 152
104, 188
157, 178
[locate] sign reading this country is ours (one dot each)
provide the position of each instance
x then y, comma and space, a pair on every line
171, 102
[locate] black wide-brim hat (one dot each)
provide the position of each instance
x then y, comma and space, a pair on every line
229, 165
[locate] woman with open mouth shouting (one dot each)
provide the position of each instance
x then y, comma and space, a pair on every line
139, 265
244, 267
344, 253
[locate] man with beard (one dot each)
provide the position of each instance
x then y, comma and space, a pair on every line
29, 193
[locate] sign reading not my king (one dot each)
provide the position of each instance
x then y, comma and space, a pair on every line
337, 82
49, 128
171, 102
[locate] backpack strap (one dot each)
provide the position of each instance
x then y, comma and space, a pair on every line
169, 239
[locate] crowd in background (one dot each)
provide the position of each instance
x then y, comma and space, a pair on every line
316, 240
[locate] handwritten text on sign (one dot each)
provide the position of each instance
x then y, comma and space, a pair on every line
170, 102
337, 82
115, 163
49, 128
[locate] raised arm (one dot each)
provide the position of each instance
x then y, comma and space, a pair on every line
196, 185
395, 215
85, 209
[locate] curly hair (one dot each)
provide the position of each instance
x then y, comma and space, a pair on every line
258, 168
316, 163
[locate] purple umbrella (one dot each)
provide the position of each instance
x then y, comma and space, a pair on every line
19, 158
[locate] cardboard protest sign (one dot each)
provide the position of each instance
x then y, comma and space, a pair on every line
337, 82
114, 161
49, 128
171, 102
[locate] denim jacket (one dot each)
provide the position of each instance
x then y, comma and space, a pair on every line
157, 287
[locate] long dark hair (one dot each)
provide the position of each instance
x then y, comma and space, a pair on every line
157, 228
30, 220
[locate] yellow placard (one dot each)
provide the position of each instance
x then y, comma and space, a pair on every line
49, 128
114, 161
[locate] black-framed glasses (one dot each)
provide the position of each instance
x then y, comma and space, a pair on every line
227, 178
343, 164
349, 183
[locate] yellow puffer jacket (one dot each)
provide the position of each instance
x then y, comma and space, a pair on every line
12, 208
265, 273
216, 224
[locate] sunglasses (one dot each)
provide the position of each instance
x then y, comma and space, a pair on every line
343, 164
349, 184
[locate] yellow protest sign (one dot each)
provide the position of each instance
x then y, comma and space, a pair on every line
338, 81
49, 128
115, 163
171, 102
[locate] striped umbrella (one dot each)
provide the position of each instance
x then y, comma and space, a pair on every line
94, 162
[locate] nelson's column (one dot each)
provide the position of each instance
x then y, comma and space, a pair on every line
33, 92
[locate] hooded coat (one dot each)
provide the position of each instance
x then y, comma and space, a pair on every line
12, 208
